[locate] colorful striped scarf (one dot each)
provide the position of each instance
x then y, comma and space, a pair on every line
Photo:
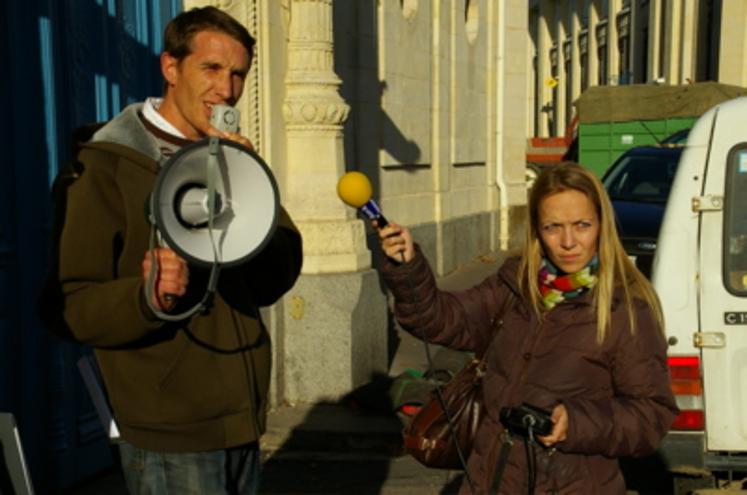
556, 288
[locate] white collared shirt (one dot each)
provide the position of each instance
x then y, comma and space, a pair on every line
150, 112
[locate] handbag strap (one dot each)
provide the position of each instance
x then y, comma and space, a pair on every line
439, 394
504, 308
506, 442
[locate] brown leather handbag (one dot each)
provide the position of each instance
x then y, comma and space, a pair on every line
458, 404
428, 437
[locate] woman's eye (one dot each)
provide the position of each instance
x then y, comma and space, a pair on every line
550, 228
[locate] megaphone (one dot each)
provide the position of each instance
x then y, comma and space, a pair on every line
244, 203
216, 204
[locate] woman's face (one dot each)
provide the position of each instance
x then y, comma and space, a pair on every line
568, 229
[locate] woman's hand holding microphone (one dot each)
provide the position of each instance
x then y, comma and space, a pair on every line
396, 242
355, 190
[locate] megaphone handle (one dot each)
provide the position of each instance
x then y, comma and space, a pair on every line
150, 288
212, 170
154, 269
200, 306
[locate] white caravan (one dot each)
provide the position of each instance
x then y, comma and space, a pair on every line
700, 274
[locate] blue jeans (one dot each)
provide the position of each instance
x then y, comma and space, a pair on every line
233, 471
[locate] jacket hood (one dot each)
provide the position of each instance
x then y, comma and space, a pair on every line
126, 129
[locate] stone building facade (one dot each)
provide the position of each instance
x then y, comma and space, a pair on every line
575, 44
426, 97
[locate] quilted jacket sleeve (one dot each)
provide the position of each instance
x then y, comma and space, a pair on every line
635, 420
460, 320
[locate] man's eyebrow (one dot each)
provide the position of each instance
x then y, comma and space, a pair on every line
243, 71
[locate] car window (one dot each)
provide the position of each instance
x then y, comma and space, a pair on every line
735, 223
645, 178
679, 137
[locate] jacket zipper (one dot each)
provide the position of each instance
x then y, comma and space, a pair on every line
520, 377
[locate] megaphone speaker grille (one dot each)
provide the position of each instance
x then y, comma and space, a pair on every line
249, 203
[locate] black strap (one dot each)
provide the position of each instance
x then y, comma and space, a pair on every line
506, 444
498, 316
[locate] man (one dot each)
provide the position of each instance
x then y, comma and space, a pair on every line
189, 397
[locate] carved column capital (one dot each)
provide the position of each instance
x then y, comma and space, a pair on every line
313, 101
326, 112
314, 111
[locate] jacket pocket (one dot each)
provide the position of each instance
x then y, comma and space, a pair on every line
567, 473
176, 358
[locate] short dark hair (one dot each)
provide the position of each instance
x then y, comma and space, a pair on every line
179, 32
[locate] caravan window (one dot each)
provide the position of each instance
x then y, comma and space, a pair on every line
735, 222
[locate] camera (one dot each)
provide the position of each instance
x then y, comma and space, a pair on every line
225, 118
518, 420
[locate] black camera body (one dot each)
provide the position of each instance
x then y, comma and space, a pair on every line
518, 420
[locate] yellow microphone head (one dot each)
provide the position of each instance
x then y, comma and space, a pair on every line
354, 189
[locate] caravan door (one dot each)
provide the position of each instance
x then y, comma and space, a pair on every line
723, 282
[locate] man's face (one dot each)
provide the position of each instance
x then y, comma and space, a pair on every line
213, 73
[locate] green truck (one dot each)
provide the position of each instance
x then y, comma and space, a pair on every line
613, 119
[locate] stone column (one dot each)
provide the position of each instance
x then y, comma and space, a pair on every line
335, 336
733, 44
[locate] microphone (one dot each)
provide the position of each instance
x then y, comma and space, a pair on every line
355, 190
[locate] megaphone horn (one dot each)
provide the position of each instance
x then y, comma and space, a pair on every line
245, 204
193, 208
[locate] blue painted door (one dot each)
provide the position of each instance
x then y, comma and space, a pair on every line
66, 63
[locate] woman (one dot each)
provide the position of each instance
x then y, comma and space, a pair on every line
582, 337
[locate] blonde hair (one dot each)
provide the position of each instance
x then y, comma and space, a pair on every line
615, 268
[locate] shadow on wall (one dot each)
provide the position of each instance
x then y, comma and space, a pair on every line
369, 129
402, 149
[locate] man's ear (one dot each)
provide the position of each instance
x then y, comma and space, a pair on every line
169, 68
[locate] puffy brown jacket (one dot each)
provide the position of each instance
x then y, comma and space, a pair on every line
617, 394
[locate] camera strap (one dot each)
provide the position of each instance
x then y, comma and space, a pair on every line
506, 444
531, 462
